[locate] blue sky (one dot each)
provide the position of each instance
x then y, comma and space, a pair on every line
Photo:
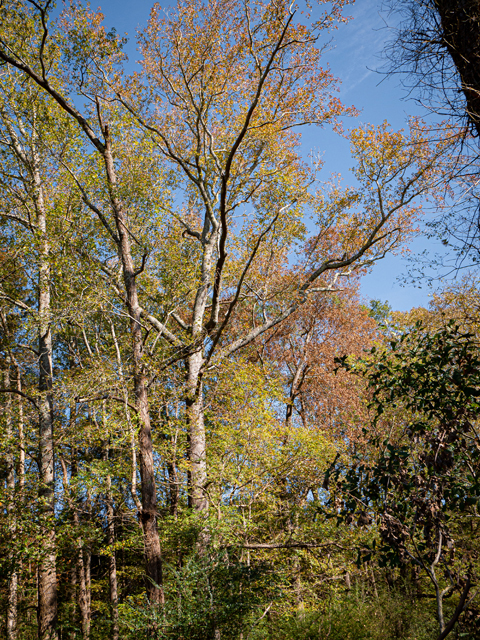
354, 57
357, 60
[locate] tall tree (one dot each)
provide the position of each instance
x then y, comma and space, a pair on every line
436, 48
187, 190
221, 95
419, 475
36, 64
222, 110
29, 205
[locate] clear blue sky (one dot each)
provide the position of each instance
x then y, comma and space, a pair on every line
354, 56
357, 61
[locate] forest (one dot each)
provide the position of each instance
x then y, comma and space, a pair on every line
206, 431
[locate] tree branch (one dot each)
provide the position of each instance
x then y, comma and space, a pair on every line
457, 612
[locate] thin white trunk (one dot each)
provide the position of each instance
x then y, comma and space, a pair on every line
198, 498
112, 561
47, 570
21, 435
12, 613
197, 444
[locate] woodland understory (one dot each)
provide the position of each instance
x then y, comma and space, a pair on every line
206, 433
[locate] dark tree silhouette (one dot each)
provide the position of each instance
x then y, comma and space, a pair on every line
438, 44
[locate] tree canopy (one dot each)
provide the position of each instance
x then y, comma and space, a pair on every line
182, 455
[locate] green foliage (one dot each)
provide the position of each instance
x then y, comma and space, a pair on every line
424, 458
380, 311
203, 595
418, 476
152, 225
391, 616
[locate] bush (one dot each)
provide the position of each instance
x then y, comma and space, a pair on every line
205, 595
392, 616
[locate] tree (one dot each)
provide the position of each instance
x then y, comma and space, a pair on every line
31, 196
180, 223
419, 477
304, 348
455, 301
437, 46
223, 111
29, 16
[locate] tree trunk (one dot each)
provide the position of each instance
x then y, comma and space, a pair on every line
12, 609
83, 600
112, 569
173, 488
148, 515
458, 611
172, 469
196, 431
21, 436
11, 622
439, 599
461, 36
87, 559
73, 596
148, 508
81, 572
47, 579
198, 498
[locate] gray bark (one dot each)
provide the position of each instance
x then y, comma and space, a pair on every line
83, 583
47, 580
196, 429
12, 602
112, 569
148, 515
